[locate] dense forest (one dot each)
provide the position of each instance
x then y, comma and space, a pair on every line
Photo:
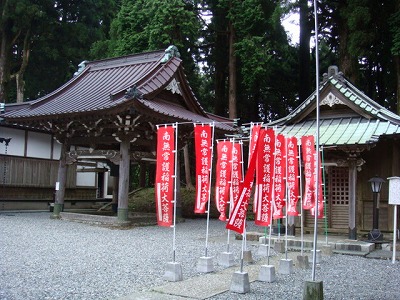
238, 58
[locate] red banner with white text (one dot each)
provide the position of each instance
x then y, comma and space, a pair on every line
279, 176
308, 156
165, 173
292, 176
223, 171
237, 170
254, 135
203, 148
237, 219
320, 191
264, 177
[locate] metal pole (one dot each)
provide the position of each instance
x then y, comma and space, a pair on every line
209, 189
301, 206
175, 187
394, 234
317, 140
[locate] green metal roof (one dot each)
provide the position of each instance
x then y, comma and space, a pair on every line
342, 131
364, 122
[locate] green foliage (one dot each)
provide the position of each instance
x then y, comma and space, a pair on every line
144, 201
59, 33
261, 48
394, 23
151, 25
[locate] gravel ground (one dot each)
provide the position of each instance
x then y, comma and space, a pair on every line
42, 258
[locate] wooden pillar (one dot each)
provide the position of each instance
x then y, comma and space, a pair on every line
61, 182
395, 172
142, 177
123, 188
186, 158
352, 198
114, 202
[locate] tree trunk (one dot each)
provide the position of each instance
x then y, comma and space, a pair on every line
397, 62
19, 76
186, 160
221, 60
304, 52
347, 62
232, 73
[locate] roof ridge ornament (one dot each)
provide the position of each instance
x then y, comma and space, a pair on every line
170, 52
133, 92
333, 71
81, 66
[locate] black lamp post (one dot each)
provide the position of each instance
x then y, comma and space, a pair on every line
376, 184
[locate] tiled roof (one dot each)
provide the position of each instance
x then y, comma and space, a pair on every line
343, 131
178, 113
100, 86
364, 123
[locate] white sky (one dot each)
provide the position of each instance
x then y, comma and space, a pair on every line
292, 27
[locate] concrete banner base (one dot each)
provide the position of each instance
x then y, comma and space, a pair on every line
313, 290
205, 264
267, 273
286, 266
240, 282
302, 261
327, 250
279, 246
173, 272
226, 259
318, 257
247, 256
263, 250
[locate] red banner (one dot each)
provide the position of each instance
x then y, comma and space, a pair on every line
308, 155
292, 176
237, 219
223, 171
237, 170
254, 135
164, 184
320, 192
265, 175
203, 148
280, 173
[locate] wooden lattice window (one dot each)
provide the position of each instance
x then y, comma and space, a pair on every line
339, 186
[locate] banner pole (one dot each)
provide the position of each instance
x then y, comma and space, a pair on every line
270, 227
301, 204
394, 234
175, 190
241, 255
317, 139
286, 199
324, 193
209, 189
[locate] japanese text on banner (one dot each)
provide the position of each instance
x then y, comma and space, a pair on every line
203, 148
292, 176
237, 170
308, 156
279, 176
264, 177
223, 177
165, 173
237, 219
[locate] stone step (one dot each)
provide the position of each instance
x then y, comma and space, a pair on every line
351, 252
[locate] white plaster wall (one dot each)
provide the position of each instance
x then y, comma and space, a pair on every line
17, 143
39, 145
56, 150
86, 179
